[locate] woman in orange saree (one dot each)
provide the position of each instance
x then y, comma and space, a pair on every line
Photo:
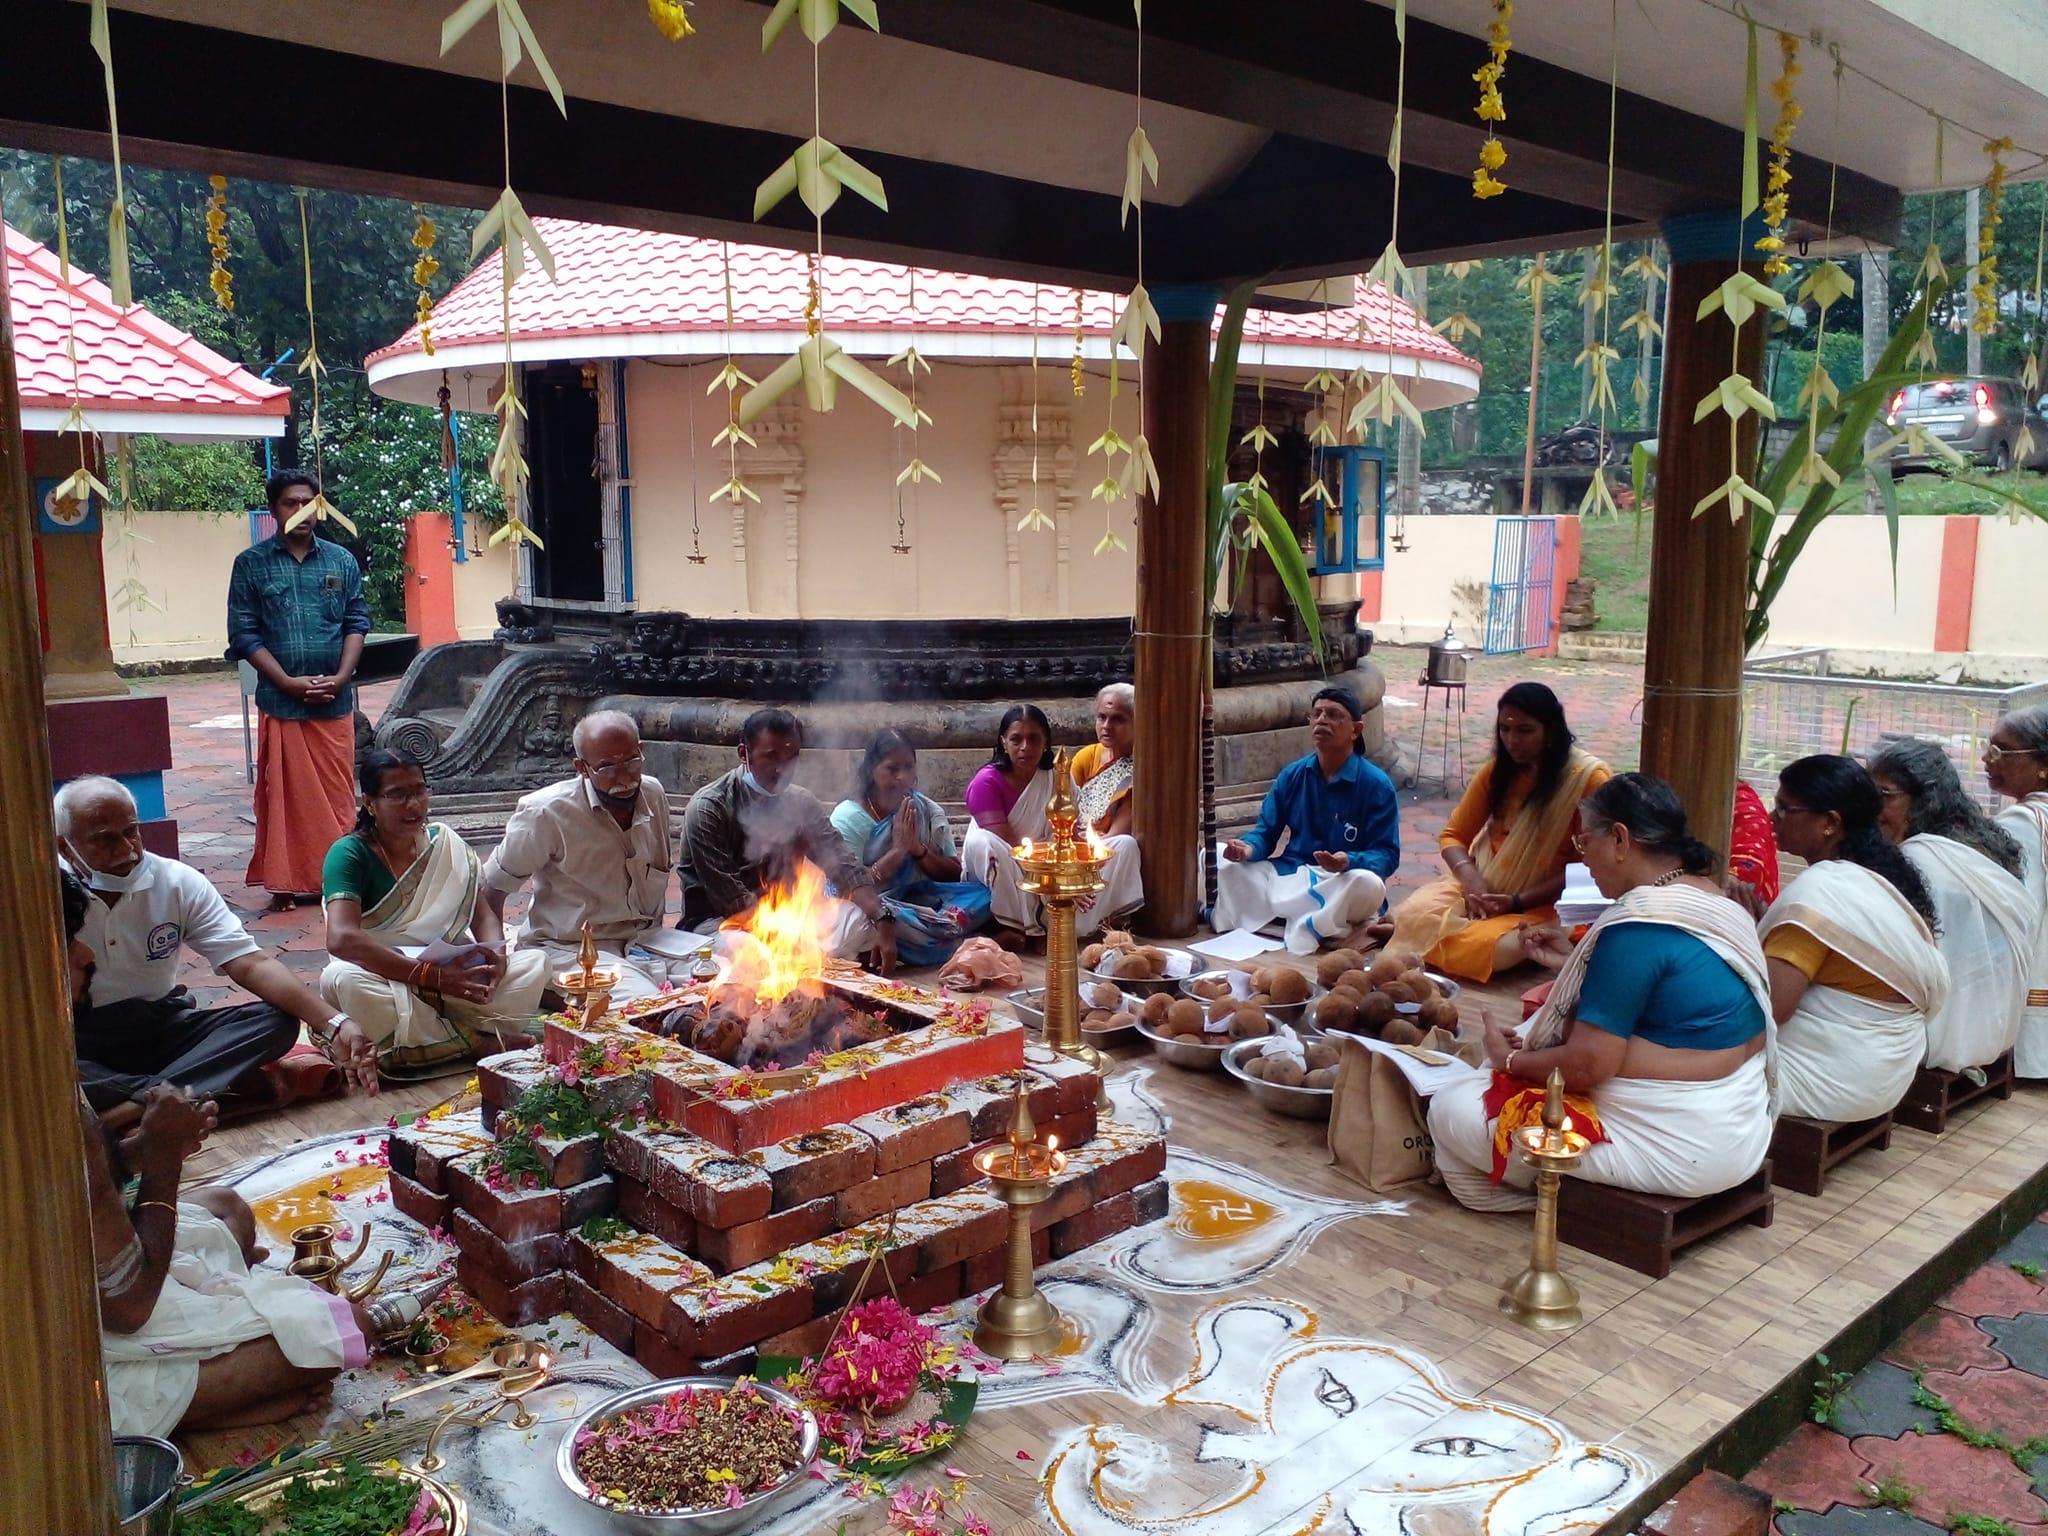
1507, 843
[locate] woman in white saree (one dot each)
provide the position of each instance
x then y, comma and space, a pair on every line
1659, 1020
1972, 869
418, 955
2016, 763
1855, 971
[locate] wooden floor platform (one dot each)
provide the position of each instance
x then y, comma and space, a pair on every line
1659, 1370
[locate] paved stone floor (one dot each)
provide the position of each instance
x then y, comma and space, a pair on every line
1947, 1430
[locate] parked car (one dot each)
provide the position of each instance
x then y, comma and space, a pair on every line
1980, 418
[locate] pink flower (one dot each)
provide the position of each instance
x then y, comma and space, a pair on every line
734, 1499
571, 1074
974, 1525
1024, 1456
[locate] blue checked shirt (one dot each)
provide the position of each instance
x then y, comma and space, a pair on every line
299, 611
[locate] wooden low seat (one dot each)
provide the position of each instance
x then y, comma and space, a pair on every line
1935, 1094
1644, 1232
1803, 1150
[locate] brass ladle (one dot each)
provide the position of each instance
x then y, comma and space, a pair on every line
514, 1355
512, 1389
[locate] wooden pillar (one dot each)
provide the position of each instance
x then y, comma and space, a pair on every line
1169, 639
1699, 566
56, 1464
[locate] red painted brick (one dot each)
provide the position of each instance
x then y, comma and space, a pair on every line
1076, 1083
646, 1277
513, 1263
956, 1170
992, 1118
728, 1248
580, 1202
500, 1079
650, 1213
1153, 1198
602, 1317
420, 1202
816, 1164
740, 1362
492, 1117
1072, 1193
664, 1356
423, 1149
1103, 1219
571, 1162
1073, 1130
1713, 1504
512, 1214
718, 1188
803, 1342
915, 1131
1119, 1159
884, 1193
513, 1305
940, 1288
743, 1308
966, 1223
985, 1270
835, 1265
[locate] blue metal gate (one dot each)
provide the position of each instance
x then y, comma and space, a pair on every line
1518, 600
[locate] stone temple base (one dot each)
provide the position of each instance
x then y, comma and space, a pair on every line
741, 1245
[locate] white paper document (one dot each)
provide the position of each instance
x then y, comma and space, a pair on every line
1237, 944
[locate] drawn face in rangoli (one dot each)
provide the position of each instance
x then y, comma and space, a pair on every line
1293, 1432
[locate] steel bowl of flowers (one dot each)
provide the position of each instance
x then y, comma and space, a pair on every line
702, 1455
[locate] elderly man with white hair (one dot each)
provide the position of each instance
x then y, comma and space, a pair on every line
139, 1027
598, 849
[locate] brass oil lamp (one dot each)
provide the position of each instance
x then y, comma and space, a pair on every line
1059, 873
1018, 1323
589, 986
1540, 1296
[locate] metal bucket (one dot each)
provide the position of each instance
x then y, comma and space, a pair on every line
146, 1472
1447, 660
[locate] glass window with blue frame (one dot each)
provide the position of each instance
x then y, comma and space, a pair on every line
1351, 522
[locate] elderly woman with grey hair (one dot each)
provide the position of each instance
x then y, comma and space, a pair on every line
1971, 867
2016, 763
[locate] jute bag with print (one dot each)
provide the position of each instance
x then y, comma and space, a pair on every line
1379, 1133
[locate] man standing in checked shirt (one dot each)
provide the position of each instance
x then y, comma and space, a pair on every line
296, 614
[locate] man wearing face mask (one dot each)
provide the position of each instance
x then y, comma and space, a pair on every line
139, 1027
746, 830
598, 849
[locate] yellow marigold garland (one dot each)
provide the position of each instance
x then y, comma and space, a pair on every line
1984, 290
1493, 154
221, 278
423, 236
1777, 196
671, 19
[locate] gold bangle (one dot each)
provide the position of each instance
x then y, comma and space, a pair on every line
1508, 1066
162, 1205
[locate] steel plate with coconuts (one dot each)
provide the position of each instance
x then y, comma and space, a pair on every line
1392, 997
1143, 969
1283, 992
1291, 1074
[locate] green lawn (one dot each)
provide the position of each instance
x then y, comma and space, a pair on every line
1616, 554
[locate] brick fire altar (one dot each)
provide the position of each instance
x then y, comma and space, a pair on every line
747, 1205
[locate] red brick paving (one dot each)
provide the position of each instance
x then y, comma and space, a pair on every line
2006, 1402
1997, 1290
1953, 1478
1944, 1341
1814, 1469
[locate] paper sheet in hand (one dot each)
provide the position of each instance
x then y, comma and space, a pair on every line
1237, 944
1428, 1072
1581, 901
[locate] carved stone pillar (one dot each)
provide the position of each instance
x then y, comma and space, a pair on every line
774, 467
1016, 445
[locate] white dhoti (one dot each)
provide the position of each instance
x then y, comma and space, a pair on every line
211, 1303
990, 861
655, 959
412, 1030
1312, 903
1842, 1057
1663, 1138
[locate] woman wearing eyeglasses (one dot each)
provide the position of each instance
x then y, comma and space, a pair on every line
1855, 972
1972, 869
1660, 1021
418, 956
2016, 763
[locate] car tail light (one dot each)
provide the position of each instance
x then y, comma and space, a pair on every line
1898, 403
1983, 397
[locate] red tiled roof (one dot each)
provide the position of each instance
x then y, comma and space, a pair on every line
622, 282
128, 360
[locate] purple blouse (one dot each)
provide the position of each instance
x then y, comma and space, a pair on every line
989, 796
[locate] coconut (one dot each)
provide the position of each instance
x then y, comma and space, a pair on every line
1133, 965
1321, 1077
1400, 1031
1321, 1053
1256, 1067
1106, 995
1287, 985
1406, 956
1439, 1013
1357, 982
1121, 1021
1384, 968
1334, 964
1248, 1022
1154, 1010
1185, 1016
1211, 987
1284, 1071
1337, 1010
1374, 1010
1091, 957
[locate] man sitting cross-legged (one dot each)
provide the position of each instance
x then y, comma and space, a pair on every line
140, 1027
194, 1336
598, 849
745, 831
